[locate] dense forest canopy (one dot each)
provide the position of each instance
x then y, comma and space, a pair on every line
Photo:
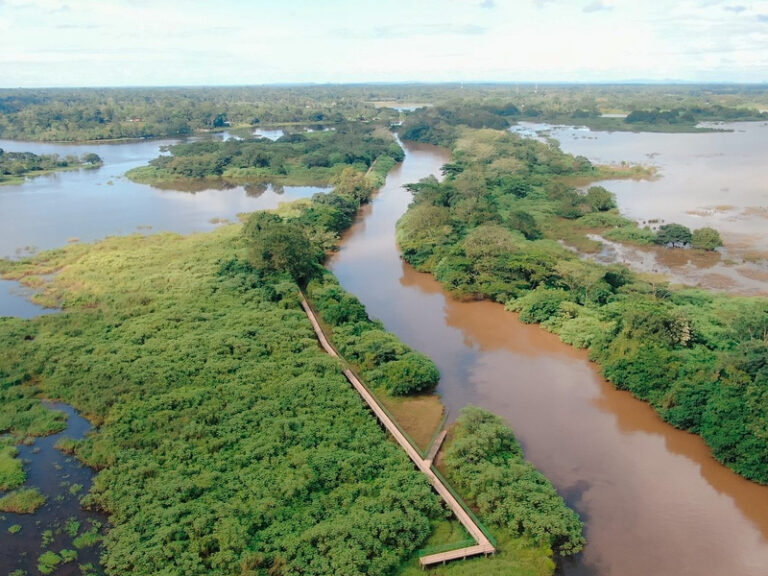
227, 438
494, 229
109, 113
295, 158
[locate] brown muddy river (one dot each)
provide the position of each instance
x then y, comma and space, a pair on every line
655, 503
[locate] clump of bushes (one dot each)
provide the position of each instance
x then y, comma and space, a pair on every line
485, 461
382, 358
22, 501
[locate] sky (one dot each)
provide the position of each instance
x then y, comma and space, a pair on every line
239, 42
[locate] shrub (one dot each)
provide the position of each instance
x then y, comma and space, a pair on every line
706, 239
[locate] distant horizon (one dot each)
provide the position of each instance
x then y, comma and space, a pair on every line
162, 43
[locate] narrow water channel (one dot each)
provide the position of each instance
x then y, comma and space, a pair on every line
654, 501
63, 479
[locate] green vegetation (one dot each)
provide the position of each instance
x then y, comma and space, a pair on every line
314, 158
15, 166
383, 360
12, 472
673, 234
72, 527
48, 562
114, 113
22, 501
14, 529
699, 358
706, 239
678, 235
439, 123
227, 438
104, 114
486, 463
88, 538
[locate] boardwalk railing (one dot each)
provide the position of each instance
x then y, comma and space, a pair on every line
429, 550
454, 502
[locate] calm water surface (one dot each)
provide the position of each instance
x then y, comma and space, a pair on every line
51, 211
54, 474
654, 501
717, 179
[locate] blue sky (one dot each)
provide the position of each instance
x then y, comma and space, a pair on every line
191, 42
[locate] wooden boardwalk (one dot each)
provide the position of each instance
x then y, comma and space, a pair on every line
483, 545
435, 448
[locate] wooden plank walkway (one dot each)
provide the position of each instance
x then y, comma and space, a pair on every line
483, 545
436, 446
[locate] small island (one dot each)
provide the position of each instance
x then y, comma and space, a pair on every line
16, 166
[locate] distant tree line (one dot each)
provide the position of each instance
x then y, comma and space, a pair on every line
317, 157
14, 165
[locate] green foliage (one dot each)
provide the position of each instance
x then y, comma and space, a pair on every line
108, 113
89, 538
485, 461
14, 529
317, 158
48, 562
16, 165
421, 230
694, 356
72, 527
581, 331
68, 555
632, 235
112, 113
240, 442
600, 199
437, 125
524, 223
539, 305
276, 246
11, 470
706, 239
382, 359
674, 234
410, 374
22, 501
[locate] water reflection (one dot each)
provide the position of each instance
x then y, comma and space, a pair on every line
50, 211
654, 500
715, 179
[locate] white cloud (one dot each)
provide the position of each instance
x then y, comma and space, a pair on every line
118, 42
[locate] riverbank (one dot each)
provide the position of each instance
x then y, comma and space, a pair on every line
16, 180
17, 167
646, 337
652, 498
133, 288
317, 158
